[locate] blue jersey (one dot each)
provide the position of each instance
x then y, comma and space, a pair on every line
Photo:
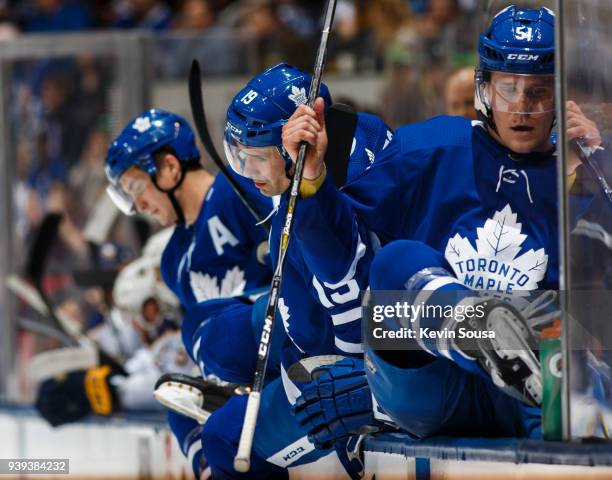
216, 256
372, 136
328, 320
447, 183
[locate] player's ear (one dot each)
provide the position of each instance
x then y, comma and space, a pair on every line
169, 168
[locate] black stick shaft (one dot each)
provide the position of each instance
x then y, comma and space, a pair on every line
242, 459
199, 117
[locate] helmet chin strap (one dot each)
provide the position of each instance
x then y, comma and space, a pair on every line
289, 170
170, 192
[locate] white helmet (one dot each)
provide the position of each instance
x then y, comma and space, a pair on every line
140, 279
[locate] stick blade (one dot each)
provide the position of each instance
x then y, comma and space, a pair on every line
43, 241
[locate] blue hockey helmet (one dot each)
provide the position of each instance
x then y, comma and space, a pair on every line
146, 134
256, 116
520, 42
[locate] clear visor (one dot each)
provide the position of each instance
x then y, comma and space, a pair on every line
250, 162
122, 200
520, 93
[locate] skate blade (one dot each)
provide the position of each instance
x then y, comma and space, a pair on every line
182, 398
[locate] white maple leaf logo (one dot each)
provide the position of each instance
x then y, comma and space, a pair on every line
142, 124
233, 283
298, 95
205, 287
495, 258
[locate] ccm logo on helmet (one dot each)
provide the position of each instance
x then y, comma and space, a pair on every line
522, 56
236, 130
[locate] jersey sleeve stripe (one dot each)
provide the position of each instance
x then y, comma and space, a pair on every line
192, 442
347, 317
348, 347
196, 349
321, 293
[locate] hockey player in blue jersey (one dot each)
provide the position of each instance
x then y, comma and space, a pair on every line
478, 203
213, 259
154, 168
319, 318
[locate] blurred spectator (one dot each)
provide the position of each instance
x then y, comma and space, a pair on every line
302, 17
274, 39
384, 18
145, 14
27, 209
61, 200
8, 23
195, 15
221, 50
363, 32
54, 16
92, 84
61, 144
418, 60
459, 93
351, 48
87, 178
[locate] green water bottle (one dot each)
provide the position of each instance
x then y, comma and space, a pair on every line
550, 360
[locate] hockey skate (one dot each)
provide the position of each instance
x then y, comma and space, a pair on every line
504, 345
194, 397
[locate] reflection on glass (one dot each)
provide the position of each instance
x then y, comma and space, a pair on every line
589, 84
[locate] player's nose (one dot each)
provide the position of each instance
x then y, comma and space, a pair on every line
524, 103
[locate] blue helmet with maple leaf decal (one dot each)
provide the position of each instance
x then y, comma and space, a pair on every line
256, 116
143, 136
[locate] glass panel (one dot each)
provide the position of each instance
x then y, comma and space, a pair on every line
588, 83
60, 114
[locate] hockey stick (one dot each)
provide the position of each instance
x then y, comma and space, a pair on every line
47, 233
32, 297
243, 456
585, 156
199, 117
42, 329
36, 296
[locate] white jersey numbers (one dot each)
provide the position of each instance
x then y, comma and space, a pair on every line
220, 235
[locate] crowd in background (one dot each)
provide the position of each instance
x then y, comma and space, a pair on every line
367, 33
60, 107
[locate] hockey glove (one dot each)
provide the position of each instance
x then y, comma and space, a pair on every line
336, 403
72, 396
